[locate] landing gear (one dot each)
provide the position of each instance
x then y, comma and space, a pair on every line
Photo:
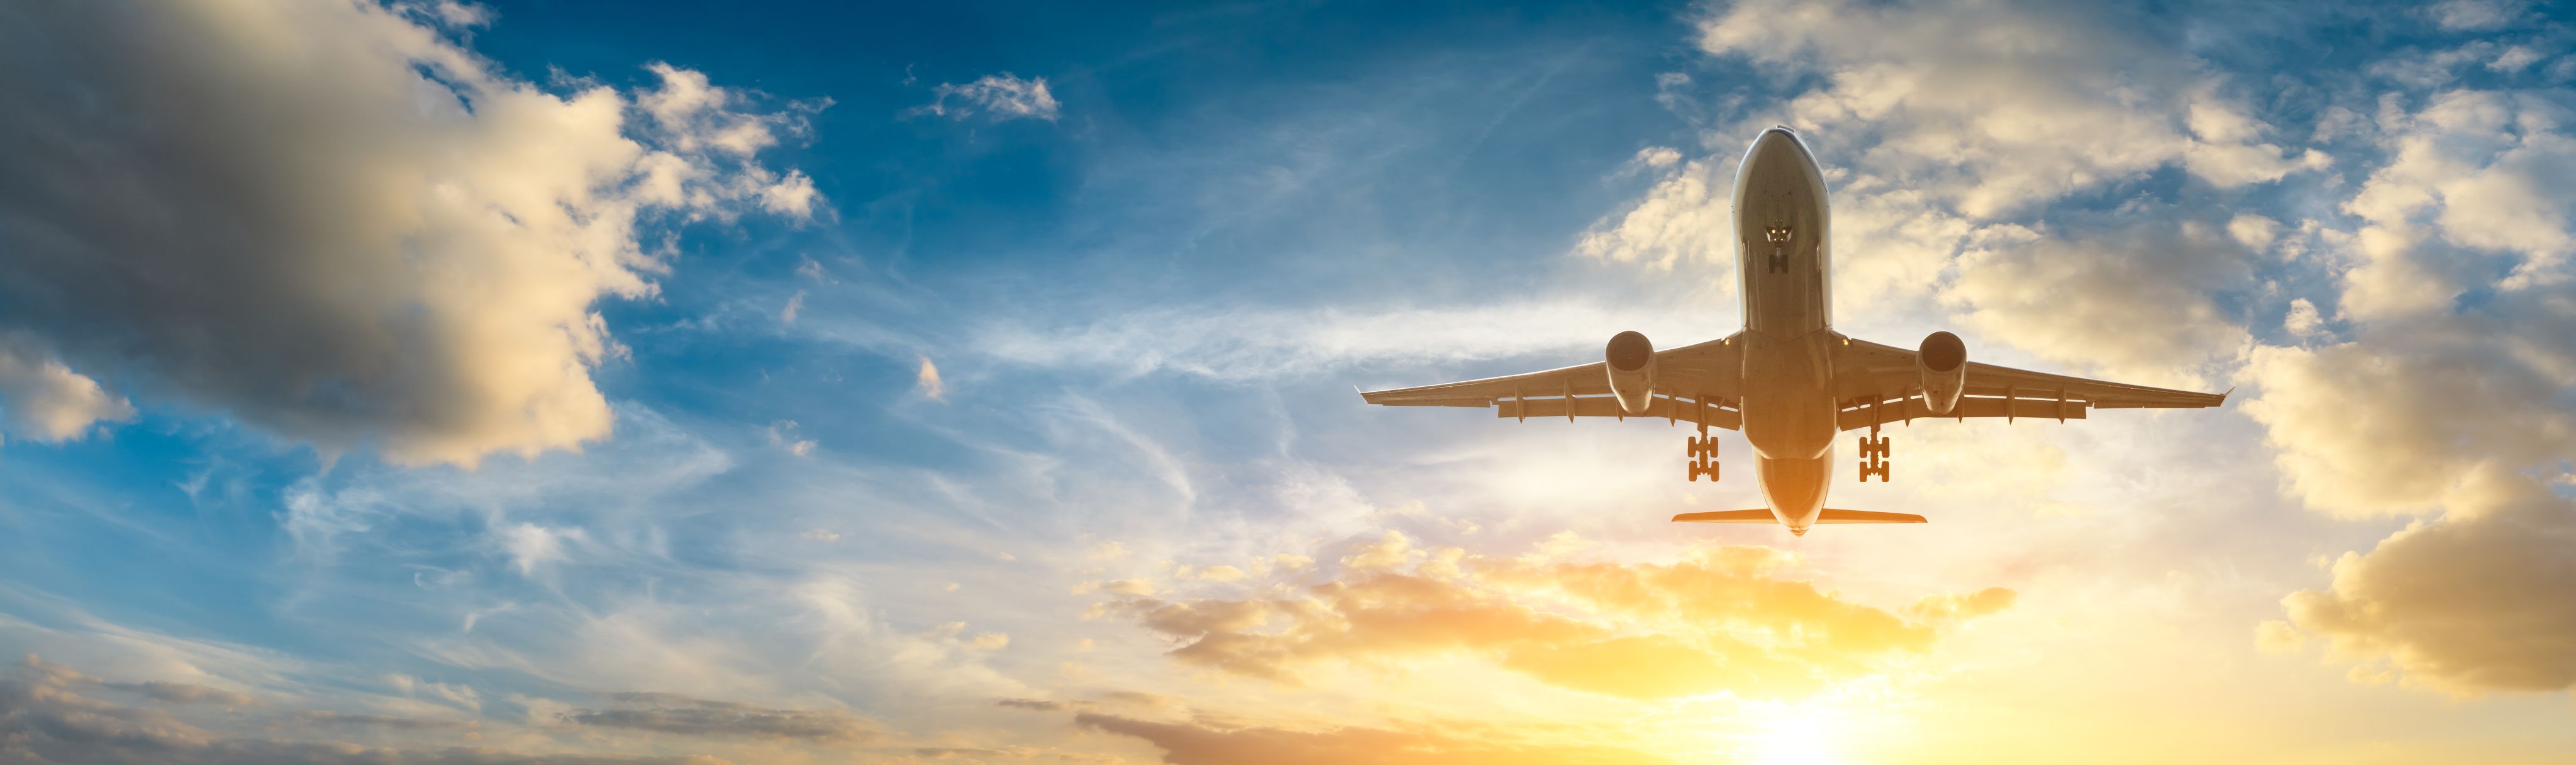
1703, 453
1873, 456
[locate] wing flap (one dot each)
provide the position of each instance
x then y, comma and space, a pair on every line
1756, 515
1969, 406
1831, 515
1663, 407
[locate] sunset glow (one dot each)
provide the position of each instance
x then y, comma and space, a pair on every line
782, 383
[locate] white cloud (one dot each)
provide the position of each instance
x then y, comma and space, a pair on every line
351, 230
530, 545
783, 435
2302, 320
927, 381
2134, 302
1249, 343
1683, 219
1002, 96
1993, 107
2472, 15
2483, 171
46, 400
2253, 230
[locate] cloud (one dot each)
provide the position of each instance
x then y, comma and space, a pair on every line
927, 381
2086, 299
2449, 399
530, 545
2482, 172
2472, 15
682, 715
1684, 219
1718, 621
1993, 106
183, 693
1235, 343
45, 719
783, 434
1001, 96
2379, 427
2472, 603
337, 224
46, 400
1205, 743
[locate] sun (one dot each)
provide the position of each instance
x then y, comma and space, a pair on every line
1794, 741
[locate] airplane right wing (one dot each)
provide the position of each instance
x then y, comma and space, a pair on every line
1880, 384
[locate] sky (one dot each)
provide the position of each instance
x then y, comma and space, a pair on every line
413, 381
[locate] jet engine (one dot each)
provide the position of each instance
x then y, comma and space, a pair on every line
1631, 360
1943, 364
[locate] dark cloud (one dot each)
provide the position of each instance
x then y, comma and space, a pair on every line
44, 720
682, 715
183, 693
1035, 704
336, 223
1196, 743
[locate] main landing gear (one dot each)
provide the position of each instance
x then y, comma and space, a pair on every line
1703, 454
1873, 456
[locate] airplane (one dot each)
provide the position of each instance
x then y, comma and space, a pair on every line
1788, 381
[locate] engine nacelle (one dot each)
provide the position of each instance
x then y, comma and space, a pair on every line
1631, 360
1942, 362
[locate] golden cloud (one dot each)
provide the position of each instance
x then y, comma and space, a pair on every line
1720, 620
1205, 743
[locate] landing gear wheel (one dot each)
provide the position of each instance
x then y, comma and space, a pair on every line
1703, 468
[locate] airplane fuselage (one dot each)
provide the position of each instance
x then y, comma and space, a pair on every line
1783, 260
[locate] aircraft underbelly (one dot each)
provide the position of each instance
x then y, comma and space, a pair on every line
1783, 258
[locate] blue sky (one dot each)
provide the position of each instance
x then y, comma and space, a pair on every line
974, 382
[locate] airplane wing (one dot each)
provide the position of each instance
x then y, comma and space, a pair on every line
1879, 384
1693, 383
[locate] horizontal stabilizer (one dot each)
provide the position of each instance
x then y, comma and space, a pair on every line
1863, 516
1756, 515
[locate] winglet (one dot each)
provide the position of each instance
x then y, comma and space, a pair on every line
2222, 398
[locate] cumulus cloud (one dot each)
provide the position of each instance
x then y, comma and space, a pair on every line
999, 96
1201, 742
1995, 105
47, 401
2087, 299
2448, 400
2377, 427
334, 222
683, 715
927, 381
1722, 620
2481, 171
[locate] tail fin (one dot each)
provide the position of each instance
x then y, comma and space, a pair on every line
1863, 516
1756, 515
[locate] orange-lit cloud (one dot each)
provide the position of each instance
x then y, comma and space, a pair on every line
1206, 743
1721, 620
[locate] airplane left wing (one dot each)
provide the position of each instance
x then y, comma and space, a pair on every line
1879, 384
1693, 383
